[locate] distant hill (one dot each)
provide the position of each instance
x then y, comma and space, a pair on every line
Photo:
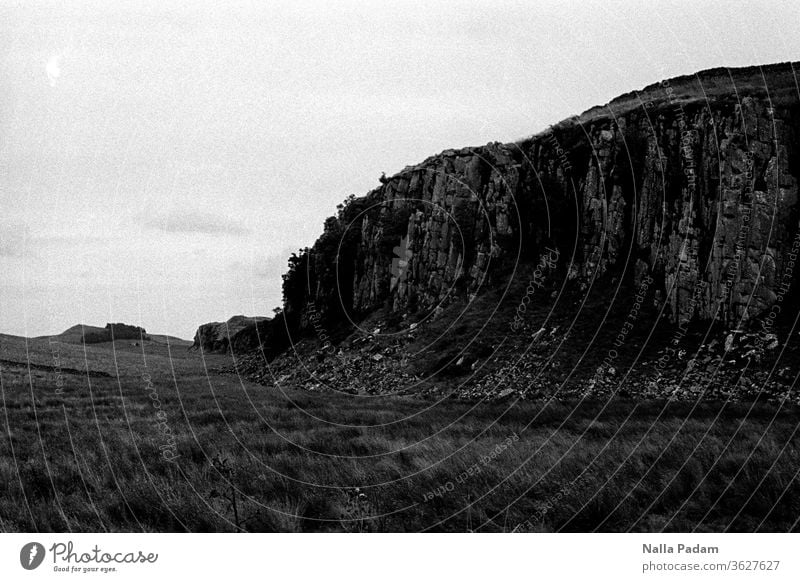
74, 335
92, 334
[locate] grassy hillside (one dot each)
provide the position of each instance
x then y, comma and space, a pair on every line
83, 454
74, 335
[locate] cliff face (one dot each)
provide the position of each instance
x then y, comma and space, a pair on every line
702, 198
460, 210
644, 247
691, 182
238, 334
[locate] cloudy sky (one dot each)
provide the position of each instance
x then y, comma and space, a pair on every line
159, 161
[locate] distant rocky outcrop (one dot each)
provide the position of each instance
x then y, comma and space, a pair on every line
114, 331
92, 334
238, 334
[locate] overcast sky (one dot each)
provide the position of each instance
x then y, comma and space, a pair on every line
160, 161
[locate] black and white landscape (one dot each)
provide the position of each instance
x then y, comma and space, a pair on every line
590, 329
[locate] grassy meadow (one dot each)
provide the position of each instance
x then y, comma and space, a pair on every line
80, 452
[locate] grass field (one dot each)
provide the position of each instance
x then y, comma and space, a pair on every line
80, 452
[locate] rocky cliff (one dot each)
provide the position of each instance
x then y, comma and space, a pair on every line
237, 335
683, 194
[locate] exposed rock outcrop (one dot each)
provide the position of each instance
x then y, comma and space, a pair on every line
114, 331
697, 187
238, 334
687, 189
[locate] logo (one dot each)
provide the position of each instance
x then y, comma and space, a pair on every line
400, 263
31, 555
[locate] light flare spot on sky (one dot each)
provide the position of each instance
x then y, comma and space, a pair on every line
53, 69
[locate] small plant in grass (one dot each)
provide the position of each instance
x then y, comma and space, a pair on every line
224, 467
357, 513
230, 498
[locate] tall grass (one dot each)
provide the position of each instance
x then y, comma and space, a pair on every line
88, 458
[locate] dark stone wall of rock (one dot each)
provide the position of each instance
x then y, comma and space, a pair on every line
238, 334
460, 208
713, 204
114, 331
697, 191
125, 331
